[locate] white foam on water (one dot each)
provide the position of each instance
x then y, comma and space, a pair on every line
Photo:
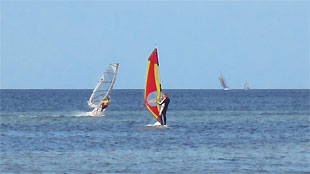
29, 116
87, 114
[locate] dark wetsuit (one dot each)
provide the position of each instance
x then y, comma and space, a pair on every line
165, 104
103, 106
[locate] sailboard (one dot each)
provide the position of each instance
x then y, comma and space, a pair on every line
103, 87
152, 88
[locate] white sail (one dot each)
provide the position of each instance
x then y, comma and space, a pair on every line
104, 86
246, 87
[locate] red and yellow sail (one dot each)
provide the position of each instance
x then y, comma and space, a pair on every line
152, 85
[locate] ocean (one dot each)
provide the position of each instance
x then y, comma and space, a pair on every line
209, 131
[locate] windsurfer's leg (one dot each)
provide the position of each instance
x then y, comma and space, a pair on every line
102, 109
164, 118
161, 116
94, 112
161, 119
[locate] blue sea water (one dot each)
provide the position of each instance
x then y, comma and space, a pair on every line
209, 131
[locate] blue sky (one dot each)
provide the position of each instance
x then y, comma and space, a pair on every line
61, 44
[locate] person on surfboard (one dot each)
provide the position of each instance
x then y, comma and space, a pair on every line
164, 107
103, 105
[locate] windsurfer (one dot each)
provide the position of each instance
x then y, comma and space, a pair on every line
164, 107
104, 103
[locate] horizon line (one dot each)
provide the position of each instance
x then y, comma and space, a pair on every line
142, 88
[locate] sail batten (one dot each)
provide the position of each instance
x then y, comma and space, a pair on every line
152, 85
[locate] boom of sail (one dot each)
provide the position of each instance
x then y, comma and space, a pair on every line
104, 86
222, 82
152, 86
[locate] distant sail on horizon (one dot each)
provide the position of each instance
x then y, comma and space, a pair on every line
222, 82
152, 86
246, 86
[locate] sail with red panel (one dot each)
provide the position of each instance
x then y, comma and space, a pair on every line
152, 86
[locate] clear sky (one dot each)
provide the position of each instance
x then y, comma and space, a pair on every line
67, 44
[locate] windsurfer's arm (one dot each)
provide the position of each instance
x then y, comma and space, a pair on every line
161, 102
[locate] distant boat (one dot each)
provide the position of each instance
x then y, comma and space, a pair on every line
246, 87
222, 82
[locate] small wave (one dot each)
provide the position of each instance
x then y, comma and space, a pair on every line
28, 116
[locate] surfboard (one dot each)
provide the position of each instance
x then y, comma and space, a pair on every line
157, 125
97, 113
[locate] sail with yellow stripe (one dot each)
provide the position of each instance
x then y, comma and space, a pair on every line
152, 86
